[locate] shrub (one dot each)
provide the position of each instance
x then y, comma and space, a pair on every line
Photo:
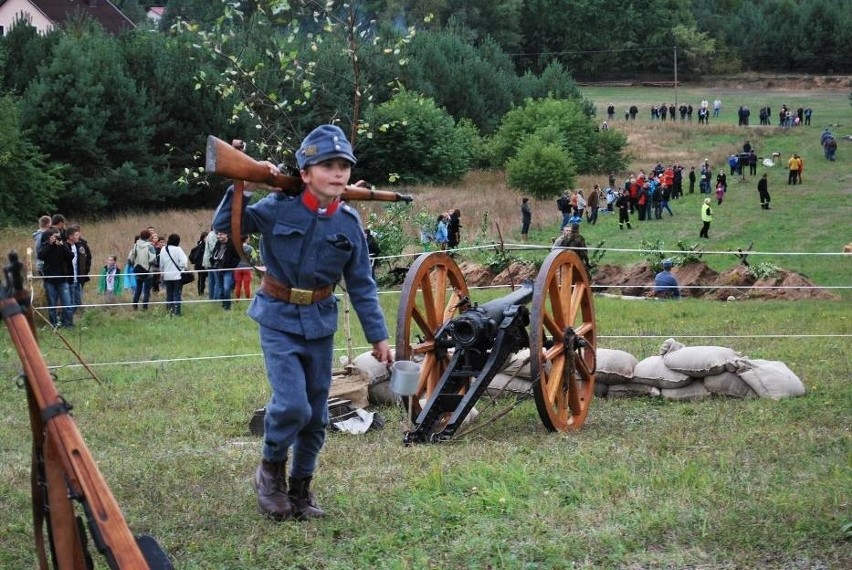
409, 140
541, 168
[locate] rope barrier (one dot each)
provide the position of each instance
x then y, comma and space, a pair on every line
490, 247
368, 348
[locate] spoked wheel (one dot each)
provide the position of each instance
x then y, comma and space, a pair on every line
434, 292
562, 342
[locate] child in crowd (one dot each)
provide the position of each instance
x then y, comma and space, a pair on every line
111, 281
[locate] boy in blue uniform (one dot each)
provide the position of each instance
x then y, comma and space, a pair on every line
308, 243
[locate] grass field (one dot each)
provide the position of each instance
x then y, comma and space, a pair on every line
645, 484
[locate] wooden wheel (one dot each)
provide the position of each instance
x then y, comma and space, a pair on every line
562, 340
432, 292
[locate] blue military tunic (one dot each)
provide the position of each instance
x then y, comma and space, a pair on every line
309, 250
306, 248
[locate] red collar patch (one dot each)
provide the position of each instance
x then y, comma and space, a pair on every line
311, 203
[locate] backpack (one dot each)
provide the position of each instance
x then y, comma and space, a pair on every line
561, 203
195, 253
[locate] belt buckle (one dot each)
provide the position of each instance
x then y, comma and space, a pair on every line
301, 296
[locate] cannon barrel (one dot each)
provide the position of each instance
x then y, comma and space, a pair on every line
494, 309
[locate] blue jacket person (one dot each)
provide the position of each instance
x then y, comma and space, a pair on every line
308, 243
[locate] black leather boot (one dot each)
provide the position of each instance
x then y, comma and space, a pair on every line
304, 502
271, 487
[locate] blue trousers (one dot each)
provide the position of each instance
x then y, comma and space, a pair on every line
299, 373
59, 296
221, 285
174, 296
143, 290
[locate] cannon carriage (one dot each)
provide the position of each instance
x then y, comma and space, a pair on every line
462, 345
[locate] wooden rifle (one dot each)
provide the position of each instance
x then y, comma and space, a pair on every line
224, 160
64, 471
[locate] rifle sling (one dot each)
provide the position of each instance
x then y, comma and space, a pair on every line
60, 407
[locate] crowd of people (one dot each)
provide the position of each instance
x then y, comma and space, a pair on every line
153, 264
683, 112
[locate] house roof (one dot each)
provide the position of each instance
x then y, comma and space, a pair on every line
106, 13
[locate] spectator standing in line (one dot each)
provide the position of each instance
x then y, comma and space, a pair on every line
196, 258
665, 283
623, 205
717, 107
85, 263
129, 278
581, 203
722, 180
763, 192
563, 204
611, 197
225, 260
242, 273
706, 218
454, 229
56, 270
441, 235
79, 261
373, 250
593, 204
111, 280
38, 235
297, 313
141, 259
173, 261
526, 218
207, 262
692, 180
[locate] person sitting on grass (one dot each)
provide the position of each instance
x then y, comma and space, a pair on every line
665, 283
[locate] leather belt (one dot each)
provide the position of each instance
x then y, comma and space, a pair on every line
275, 288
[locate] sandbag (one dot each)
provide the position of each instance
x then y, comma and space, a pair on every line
352, 385
654, 372
379, 379
503, 383
631, 389
614, 366
670, 345
519, 365
700, 361
694, 391
728, 384
769, 378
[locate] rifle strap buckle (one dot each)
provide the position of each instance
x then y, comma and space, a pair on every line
60, 407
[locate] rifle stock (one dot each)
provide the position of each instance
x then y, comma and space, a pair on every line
64, 469
224, 160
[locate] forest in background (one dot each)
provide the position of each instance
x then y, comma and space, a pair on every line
427, 90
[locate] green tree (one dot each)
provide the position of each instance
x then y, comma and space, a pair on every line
410, 140
26, 50
541, 166
187, 111
97, 121
29, 183
590, 149
478, 83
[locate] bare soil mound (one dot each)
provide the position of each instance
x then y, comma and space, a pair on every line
475, 274
638, 281
516, 274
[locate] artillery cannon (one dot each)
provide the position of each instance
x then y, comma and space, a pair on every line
462, 345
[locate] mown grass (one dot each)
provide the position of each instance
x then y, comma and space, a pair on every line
645, 484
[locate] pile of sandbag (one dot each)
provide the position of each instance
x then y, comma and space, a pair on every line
680, 372
677, 372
